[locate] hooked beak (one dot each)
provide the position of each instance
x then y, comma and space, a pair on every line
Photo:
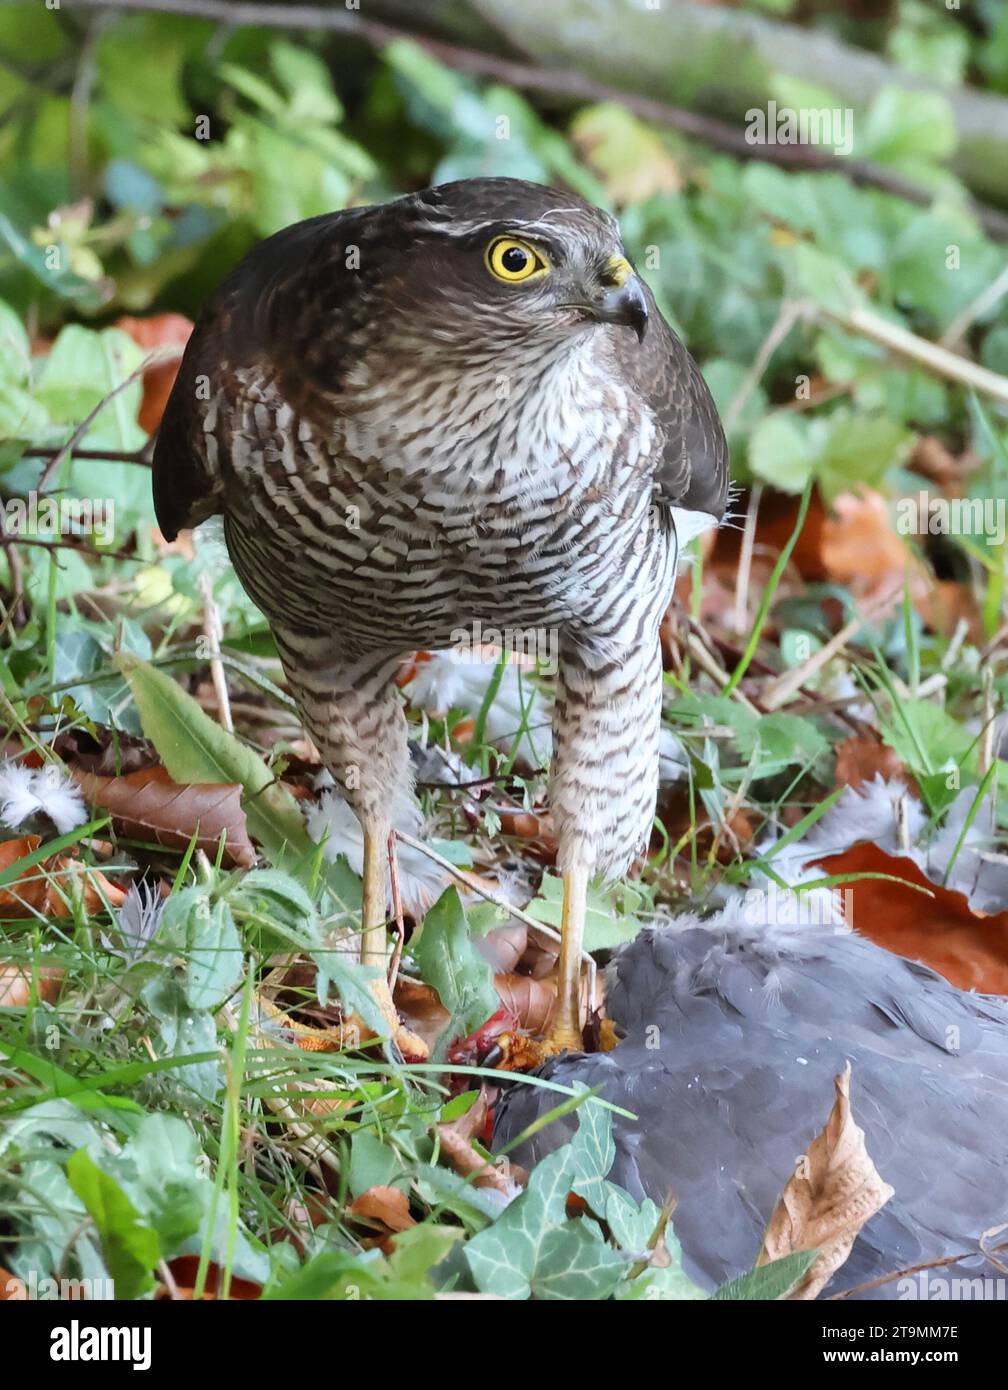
626, 304
622, 298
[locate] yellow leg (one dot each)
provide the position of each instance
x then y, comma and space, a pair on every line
565, 1035
373, 939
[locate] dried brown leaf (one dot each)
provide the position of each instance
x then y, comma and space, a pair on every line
834, 1191
16, 984
421, 1009
148, 805
456, 1145
183, 1270
41, 888
386, 1205
531, 1001
936, 926
861, 756
503, 947
157, 331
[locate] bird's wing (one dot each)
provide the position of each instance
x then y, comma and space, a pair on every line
186, 490
254, 327
692, 471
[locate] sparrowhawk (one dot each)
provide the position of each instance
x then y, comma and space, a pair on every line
462, 405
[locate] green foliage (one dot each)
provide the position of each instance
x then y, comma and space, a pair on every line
767, 1282
611, 918
449, 961
130, 1248
535, 1250
196, 749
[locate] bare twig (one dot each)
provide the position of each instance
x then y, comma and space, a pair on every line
911, 1269
42, 451
80, 98
155, 358
779, 691
790, 313
933, 356
717, 673
79, 546
214, 633
985, 300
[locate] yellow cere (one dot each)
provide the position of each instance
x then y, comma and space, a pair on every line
618, 271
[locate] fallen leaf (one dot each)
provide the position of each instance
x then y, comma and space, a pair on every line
942, 930
860, 757
16, 984
40, 889
945, 604
931, 458
504, 946
862, 549
12, 1289
531, 1001
835, 1189
527, 1003
527, 825
148, 805
456, 1145
420, 1009
386, 1205
155, 331
775, 522
183, 1271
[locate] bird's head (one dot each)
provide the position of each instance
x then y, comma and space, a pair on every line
507, 261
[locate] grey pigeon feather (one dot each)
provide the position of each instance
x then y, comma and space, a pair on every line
733, 1037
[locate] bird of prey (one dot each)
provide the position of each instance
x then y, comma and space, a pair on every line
734, 1033
460, 406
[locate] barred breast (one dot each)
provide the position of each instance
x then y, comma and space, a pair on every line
417, 508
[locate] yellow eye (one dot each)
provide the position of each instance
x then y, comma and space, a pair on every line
512, 260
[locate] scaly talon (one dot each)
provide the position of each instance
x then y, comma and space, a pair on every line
565, 1034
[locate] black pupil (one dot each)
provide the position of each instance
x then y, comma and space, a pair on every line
514, 260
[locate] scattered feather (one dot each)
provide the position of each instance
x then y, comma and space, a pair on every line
333, 823
452, 680
26, 792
